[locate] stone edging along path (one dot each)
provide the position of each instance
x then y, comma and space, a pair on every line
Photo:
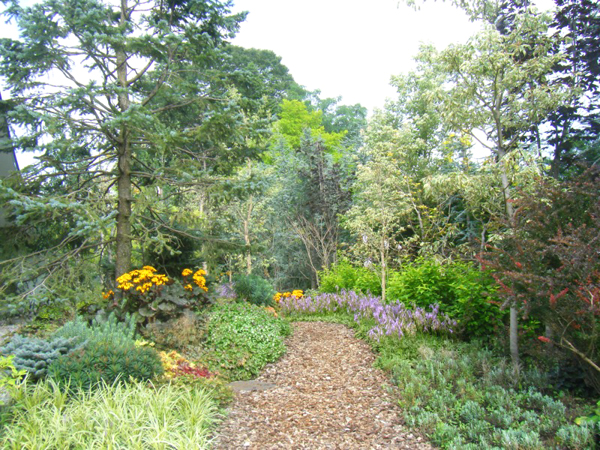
323, 394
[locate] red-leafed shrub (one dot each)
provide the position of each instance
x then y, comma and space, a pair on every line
185, 368
549, 264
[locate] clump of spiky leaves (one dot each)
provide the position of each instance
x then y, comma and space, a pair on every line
132, 416
109, 329
241, 339
35, 355
106, 362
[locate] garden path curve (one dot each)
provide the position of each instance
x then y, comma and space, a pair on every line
327, 396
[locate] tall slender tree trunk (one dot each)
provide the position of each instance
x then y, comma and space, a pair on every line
247, 235
203, 199
123, 238
510, 214
383, 268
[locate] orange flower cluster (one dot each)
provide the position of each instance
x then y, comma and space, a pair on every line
141, 279
298, 293
271, 310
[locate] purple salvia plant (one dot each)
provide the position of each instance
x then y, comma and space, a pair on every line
225, 290
393, 319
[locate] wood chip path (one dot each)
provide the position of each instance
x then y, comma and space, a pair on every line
327, 396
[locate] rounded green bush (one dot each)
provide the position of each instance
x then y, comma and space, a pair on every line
253, 289
104, 361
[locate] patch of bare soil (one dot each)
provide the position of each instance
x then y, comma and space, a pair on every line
327, 396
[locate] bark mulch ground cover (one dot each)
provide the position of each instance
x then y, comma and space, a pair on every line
327, 395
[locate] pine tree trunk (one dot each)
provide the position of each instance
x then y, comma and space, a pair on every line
123, 238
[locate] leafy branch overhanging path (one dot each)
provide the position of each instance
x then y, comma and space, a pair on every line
327, 396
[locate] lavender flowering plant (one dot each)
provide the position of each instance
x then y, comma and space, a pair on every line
391, 319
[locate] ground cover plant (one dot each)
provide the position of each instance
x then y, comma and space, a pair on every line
241, 339
461, 395
464, 396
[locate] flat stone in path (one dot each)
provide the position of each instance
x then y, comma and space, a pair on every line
323, 394
250, 385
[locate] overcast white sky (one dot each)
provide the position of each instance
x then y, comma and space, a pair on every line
349, 48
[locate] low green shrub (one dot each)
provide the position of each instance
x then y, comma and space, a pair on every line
109, 329
183, 333
253, 289
241, 339
345, 276
36, 355
463, 396
125, 416
104, 361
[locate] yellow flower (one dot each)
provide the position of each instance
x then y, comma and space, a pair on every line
188, 287
149, 268
186, 272
108, 294
200, 280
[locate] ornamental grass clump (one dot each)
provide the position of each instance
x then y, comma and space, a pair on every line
119, 416
393, 319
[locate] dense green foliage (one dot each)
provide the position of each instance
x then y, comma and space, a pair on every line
174, 147
103, 361
253, 289
241, 339
10, 376
461, 289
345, 276
133, 416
